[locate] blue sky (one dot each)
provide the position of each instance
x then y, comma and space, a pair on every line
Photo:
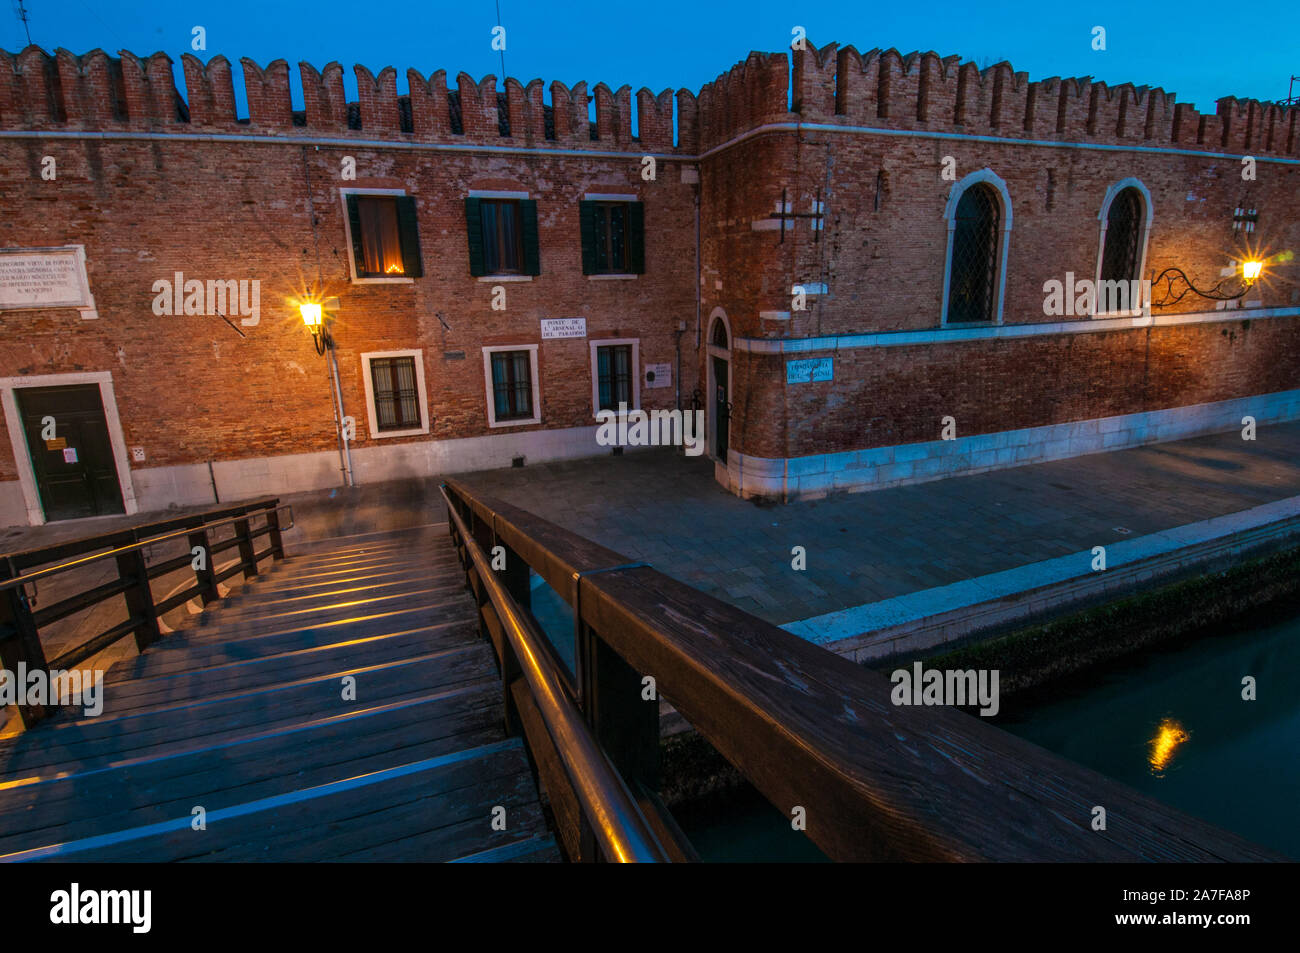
1198, 49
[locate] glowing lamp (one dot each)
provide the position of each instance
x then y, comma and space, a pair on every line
1250, 270
312, 315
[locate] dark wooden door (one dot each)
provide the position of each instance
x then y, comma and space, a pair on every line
721, 407
74, 468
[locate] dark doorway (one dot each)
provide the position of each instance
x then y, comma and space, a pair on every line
721, 408
67, 439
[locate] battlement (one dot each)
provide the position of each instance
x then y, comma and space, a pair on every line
832, 85
99, 92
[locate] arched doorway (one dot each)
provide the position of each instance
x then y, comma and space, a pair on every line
719, 377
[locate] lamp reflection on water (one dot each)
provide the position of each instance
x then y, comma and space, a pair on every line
1170, 735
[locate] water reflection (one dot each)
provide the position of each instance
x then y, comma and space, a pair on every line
1169, 736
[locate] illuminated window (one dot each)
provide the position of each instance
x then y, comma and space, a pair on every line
385, 237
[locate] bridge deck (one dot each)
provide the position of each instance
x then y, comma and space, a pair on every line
340, 707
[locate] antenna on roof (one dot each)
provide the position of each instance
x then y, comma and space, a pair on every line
21, 12
1291, 98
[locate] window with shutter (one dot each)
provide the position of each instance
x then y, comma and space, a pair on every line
385, 236
613, 239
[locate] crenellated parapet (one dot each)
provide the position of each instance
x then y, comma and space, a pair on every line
826, 85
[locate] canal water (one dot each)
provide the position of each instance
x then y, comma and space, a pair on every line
1172, 723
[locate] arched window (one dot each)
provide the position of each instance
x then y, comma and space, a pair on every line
1121, 255
720, 334
972, 288
979, 231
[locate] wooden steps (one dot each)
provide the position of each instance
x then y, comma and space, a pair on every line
342, 706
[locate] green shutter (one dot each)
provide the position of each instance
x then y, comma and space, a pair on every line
636, 238
409, 233
474, 228
587, 229
532, 253
354, 223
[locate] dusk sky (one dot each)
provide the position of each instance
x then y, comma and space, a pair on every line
1199, 49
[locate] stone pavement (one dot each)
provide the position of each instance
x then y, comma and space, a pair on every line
665, 508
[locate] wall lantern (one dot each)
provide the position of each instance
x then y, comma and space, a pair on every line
318, 316
1247, 275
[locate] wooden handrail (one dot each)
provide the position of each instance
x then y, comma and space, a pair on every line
812, 730
20, 624
617, 824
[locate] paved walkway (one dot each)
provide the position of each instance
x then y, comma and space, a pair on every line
865, 547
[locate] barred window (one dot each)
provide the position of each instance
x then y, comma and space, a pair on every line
1122, 255
512, 385
614, 376
973, 270
397, 405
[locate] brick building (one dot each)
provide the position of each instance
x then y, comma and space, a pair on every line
842, 257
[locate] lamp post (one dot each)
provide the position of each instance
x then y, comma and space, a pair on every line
318, 316
1248, 275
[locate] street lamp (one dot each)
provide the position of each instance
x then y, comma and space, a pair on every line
1248, 274
317, 316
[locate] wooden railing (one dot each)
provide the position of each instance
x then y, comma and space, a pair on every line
21, 623
816, 734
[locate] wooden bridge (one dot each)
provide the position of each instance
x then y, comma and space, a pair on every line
393, 698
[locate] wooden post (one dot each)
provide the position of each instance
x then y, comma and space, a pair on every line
207, 576
625, 723
247, 558
139, 598
20, 642
277, 541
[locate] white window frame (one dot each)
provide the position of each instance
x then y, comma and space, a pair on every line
491, 393
369, 381
1104, 216
499, 194
950, 214
636, 371
22, 455
351, 248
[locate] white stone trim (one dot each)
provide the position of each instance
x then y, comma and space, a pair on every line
18, 438
368, 380
879, 467
711, 351
989, 177
347, 237
487, 383
496, 194
636, 371
952, 335
610, 197
1103, 216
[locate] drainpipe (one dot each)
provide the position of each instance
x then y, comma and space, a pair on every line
698, 273
345, 456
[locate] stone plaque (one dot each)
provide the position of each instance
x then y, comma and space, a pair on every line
38, 278
564, 328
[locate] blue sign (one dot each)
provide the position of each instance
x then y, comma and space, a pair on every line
806, 371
